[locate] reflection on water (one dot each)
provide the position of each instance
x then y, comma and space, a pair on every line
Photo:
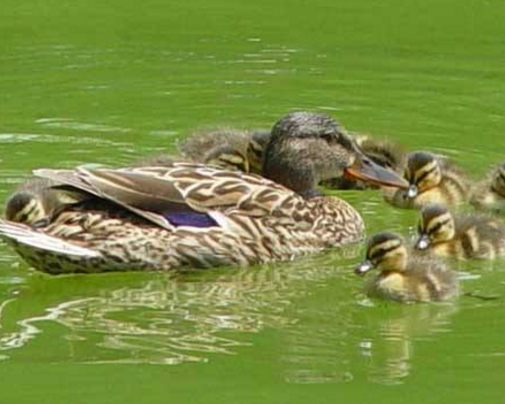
164, 319
371, 341
390, 345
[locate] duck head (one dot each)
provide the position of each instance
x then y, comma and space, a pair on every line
306, 148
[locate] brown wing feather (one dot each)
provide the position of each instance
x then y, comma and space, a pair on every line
152, 191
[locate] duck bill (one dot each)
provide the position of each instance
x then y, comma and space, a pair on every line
422, 243
366, 170
363, 268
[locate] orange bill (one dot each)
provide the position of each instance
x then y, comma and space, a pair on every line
366, 170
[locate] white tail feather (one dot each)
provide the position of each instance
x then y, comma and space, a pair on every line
29, 237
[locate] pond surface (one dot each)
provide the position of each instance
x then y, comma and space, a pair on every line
109, 81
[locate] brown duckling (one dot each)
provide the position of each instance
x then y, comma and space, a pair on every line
258, 141
223, 155
403, 276
432, 180
225, 147
32, 201
382, 152
459, 236
490, 194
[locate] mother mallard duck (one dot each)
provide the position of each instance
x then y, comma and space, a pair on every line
161, 218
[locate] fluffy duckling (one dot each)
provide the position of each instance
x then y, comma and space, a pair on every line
225, 147
383, 152
405, 277
490, 194
461, 237
432, 180
33, 201
256, 146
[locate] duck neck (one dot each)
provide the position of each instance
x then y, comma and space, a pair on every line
298, 176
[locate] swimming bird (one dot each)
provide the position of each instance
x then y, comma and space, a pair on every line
405, 277
161, 218
432, 180
490, 194
443, 233
32, 201
256, 145
225, 147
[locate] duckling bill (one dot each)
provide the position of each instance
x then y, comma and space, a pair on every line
403, 276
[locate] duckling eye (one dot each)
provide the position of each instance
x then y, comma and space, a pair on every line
437, 227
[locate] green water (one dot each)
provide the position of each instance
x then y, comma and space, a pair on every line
107, 81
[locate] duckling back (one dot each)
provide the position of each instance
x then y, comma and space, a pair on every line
479, 237
490, 194
424, 280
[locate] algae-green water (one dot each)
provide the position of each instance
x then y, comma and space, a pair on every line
109, 81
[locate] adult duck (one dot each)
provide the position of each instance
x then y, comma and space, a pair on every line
161, 218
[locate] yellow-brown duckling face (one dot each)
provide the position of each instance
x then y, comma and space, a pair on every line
385, 252
498, 184
24, 207
435, 226
256, 148
228, 157
423, 172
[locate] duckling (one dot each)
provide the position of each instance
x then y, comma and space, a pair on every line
490, 194
32, 201
383, 152
432, 180
461, 237
223, 155
405, 277
225, 147
256, 146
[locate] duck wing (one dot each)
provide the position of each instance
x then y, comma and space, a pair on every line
179, 194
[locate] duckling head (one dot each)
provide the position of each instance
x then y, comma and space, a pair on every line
306, 148
498, 183
256, 148
24, 207
422, 171
436, 225
386, 252
227, 156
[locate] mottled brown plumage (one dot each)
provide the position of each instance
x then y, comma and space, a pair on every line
160, 218
405, 277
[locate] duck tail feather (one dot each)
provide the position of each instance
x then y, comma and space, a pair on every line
25, 235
